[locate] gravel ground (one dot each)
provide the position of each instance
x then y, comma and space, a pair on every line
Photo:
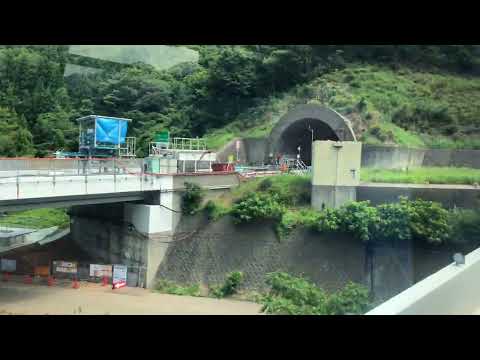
93, 299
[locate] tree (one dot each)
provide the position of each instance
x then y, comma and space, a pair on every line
15, 139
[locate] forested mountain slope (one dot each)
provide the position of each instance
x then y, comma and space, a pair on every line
413, 95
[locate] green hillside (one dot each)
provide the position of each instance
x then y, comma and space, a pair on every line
410, 95
403, 107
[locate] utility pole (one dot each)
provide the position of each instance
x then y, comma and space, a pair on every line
311, 130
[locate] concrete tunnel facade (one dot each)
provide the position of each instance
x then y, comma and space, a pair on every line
306, 123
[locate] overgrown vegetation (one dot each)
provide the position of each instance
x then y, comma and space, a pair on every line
169, 287
242, 90
290, 295
417, 220
215, 211
229, 287
287, 295
407, 106
465, 226
423, 175
36, 219
294, 218
256, 207
192, 198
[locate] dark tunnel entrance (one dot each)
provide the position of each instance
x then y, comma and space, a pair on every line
300, 134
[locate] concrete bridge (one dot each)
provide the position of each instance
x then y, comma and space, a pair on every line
117, 210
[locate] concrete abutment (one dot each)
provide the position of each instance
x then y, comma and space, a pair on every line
138, 234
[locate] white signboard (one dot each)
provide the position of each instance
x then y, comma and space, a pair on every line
65, 267
100, 270
119, 275
7, 265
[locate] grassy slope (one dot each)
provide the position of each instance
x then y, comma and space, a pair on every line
36, 219
383, 91
434, 175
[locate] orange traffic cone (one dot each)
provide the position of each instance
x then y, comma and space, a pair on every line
75, 284
51, 281
104, 281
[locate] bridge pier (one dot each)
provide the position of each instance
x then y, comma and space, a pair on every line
133, 234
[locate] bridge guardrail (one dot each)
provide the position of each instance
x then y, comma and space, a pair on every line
22, 167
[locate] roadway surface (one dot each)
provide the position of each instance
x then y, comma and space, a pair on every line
93, 299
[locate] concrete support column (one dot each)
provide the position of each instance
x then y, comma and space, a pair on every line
157, 221
336, 173
324, 196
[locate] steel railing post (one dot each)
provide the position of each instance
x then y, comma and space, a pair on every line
85, 174
141, 174
54, 173
18, 182
114, 176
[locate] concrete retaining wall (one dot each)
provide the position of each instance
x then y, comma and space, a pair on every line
222, 247
230, 149
449, 196
330, 261
255, 151
456, 158
252, 151
387, 157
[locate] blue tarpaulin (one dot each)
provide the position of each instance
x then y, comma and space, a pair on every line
111, 130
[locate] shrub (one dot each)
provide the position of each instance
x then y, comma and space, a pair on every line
422, 117
289, 189
191, 199
419, 220
168, 287
257, 206
357, 218
428, 221
215, 211
381, 134
352, 299
291, 219
229, 287
465, 226
265, 184
394, 222
290, 295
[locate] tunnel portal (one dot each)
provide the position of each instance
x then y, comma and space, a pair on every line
305, 124
301, 134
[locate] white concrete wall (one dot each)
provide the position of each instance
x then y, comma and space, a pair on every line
454, 290
149, 219
153, 219
336, 166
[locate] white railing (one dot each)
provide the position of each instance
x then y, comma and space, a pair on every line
129, 148
184, 144
454, 290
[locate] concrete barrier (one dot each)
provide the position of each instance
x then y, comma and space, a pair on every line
390, 157
450, 196
454, 290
